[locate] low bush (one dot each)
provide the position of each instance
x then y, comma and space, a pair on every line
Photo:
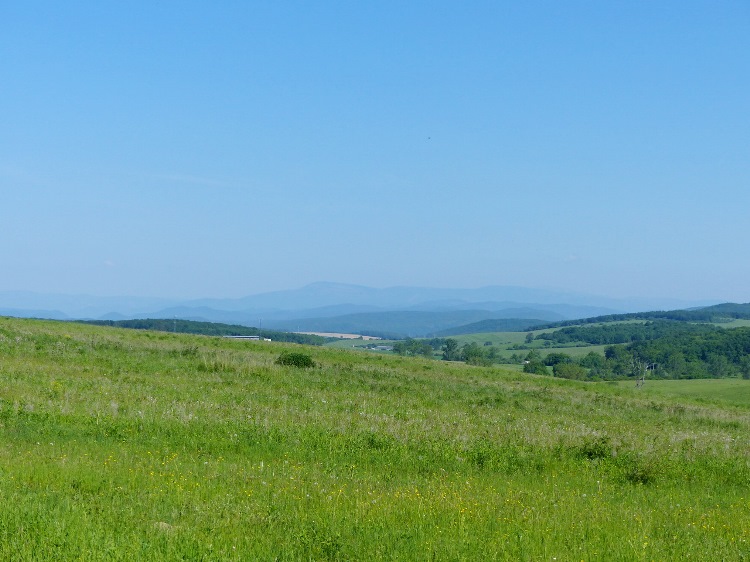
295, 359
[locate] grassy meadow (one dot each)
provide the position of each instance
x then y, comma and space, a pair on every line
130, 445
721, 392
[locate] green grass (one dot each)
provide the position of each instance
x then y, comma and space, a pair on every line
501, 339
122, 445
735, 392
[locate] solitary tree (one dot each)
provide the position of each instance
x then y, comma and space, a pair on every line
450, 350
474, 355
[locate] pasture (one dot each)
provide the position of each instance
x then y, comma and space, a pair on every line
125, 445
725, 392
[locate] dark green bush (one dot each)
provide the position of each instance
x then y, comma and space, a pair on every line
293, 359
536, 367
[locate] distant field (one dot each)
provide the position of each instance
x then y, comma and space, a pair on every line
358, 344
339, 335
499, 339
575, 351
740, 323
721, 391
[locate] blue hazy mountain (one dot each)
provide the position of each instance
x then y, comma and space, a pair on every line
327, 306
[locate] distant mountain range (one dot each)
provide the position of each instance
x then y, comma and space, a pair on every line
337, 307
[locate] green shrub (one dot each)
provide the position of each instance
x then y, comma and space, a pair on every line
536, 367
294, 359
569, 371
594, 448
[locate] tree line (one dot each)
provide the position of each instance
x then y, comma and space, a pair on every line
716, 313
623, 332
688, 355
208, 329
449, 350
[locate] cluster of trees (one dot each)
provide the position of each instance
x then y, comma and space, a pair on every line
409, 346
623, 332
716, 354
563, 365
701, 354
472, 353
209, 329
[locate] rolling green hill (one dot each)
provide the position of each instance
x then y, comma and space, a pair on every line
130, 444
719, 313
208, 329
624, 332
711, 342
488, 326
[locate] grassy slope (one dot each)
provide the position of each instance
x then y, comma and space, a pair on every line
136, 445
702, 391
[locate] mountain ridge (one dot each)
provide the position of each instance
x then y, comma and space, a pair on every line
320, 302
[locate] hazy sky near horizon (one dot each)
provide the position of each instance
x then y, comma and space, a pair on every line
220, 149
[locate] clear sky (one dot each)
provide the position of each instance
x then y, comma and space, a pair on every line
220, 149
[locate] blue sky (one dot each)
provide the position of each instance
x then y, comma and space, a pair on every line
220, 149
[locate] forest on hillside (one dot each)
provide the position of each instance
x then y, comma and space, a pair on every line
716, 313
702, 353
623, 332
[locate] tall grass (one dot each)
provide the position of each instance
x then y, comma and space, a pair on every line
142, 446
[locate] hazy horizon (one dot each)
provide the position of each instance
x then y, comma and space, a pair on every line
513, 294
188, 150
